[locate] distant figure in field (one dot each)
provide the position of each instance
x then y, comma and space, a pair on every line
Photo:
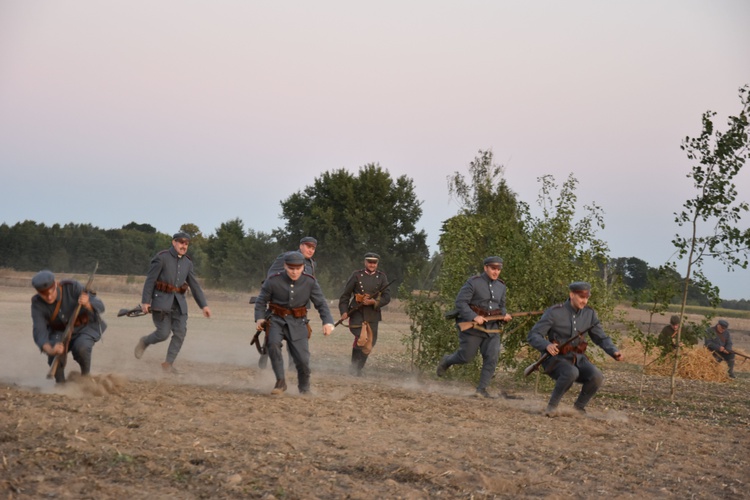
51, 310
169, 277
719, 342
668, 336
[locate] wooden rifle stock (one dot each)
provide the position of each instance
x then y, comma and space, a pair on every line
361, 304
465, 325
536, 364
61, 358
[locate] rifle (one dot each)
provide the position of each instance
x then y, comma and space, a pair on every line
132, 313
465, 325
361, 304
262, 349
739, 354
68, 334
536, 364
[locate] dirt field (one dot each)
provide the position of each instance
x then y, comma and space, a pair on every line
215, 432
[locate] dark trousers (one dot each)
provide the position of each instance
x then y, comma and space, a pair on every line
167, 322
725, 356
359, 358
565, 374
471, 341
81, 347
299, 349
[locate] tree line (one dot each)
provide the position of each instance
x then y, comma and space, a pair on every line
350, 214
236, 258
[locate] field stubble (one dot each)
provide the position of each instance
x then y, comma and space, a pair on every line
214, 432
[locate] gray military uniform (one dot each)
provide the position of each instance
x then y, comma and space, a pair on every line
715, 340
88, 330
278, 265
488, 297
168, 278
559, 323
281, 291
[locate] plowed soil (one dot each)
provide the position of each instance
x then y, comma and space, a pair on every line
214, 431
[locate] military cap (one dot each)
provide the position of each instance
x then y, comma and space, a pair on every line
493, 260
724, 323
294, 259
43, 280
181, 236
674, 320
581, 288
372, 256
309, 240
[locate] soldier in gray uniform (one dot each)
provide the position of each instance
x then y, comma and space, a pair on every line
307, 247
365, 293
557, 325
283, 303
168, 278
719, 342
481, 296
51, 311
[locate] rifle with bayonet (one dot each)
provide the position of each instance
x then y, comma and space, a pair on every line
360, 305
536, 364
465, 325
60, 359
132, 313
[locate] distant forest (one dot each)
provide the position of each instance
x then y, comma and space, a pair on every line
233, 258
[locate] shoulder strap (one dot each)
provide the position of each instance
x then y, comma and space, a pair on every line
57, 305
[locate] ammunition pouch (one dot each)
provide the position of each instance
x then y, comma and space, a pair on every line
579, 348
167, 288
482, 312
297, 312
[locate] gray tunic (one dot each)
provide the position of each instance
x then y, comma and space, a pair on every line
561, 322
48, 331
168, 267
481, 292
279, 289
715, 340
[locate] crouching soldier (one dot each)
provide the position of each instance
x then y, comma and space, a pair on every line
284, 297
51, 310
719, 342
557, 334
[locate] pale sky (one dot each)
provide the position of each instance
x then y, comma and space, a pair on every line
179, 111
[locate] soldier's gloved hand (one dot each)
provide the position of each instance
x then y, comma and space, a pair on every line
327, 329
